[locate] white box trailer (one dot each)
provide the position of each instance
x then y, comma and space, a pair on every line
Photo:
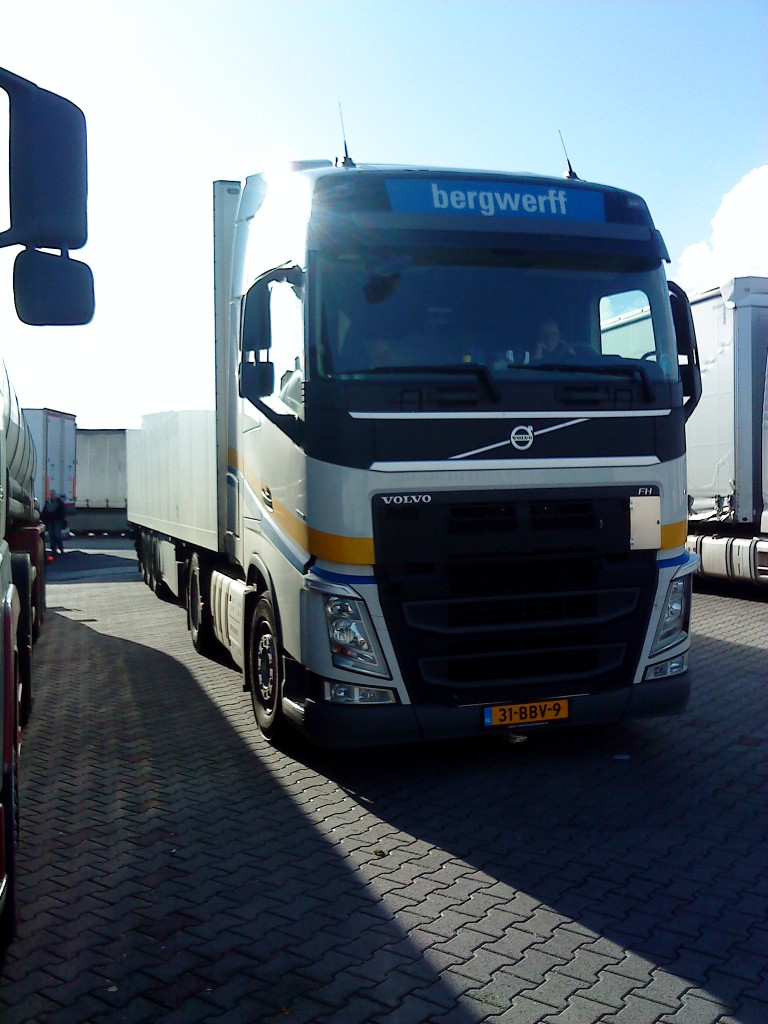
101, 482
728, 432
171, 485
54, 435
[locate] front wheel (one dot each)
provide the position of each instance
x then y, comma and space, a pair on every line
265, 670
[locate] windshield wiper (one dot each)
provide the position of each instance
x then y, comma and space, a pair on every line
458, 369
605, 370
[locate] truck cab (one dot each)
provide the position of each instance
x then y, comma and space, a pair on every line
454, 407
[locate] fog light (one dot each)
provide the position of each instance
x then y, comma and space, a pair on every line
352, 693
665, 669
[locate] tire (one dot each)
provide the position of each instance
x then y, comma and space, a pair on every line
142, 549
25, 676
39, 604
152, 565
22, 578
198, 606
10, 798
265, 672
157, 583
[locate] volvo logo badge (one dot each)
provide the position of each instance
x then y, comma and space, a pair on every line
522, 437
406, 499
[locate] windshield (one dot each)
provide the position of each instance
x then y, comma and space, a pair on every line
490, 313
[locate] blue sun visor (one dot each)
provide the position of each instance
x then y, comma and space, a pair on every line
496, 199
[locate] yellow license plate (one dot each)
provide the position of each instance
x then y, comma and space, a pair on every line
526, 714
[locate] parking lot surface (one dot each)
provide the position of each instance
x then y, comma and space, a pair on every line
175, 868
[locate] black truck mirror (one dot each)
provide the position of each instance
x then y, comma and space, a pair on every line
687, 349
51, 289
47, 204
256, 380
47, 168
256, 326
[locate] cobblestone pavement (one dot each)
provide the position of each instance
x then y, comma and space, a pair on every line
174, 868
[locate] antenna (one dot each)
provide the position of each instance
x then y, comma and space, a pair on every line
347, 161
570, 173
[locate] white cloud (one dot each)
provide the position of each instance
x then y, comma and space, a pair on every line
738, 245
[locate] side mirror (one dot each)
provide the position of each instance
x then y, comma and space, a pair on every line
256, 329
256, 380
687, 349
256, 326
48, 168
52, 289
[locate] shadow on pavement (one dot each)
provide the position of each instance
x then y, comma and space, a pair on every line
77, 566
653, 836
166, 872
185, 870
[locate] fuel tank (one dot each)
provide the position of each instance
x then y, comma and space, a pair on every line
21, 458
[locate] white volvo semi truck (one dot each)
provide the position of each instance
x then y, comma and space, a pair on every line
443, 490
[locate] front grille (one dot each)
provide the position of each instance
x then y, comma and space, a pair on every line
520, 612
496, 597
552, 664
407, 533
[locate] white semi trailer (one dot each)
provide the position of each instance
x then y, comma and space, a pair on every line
728, 433
54, 434
101, 501
443, 490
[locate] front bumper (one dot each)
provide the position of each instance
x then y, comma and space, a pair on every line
342, 726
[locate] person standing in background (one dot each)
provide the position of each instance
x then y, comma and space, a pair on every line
54, 517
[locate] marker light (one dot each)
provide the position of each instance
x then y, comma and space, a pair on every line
352, 638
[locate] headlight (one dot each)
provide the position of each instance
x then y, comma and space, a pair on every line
352, 638
673, 626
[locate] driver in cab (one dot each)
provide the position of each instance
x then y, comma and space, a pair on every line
549, 346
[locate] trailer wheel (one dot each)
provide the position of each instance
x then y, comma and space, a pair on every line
265, 671
157, 583
198, 606
143, 547
10, 799
152, 572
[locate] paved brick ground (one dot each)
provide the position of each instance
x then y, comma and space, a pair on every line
176, 869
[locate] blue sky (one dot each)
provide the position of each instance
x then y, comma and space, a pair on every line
667, 99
